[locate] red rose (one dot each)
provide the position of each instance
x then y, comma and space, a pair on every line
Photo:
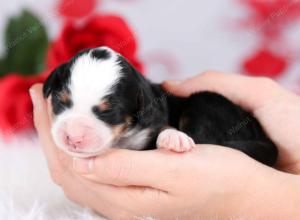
270, 17
101, 30
265, 63
16, 106
76, 8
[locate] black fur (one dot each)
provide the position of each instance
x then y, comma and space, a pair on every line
100, 54
55, 84
208, 118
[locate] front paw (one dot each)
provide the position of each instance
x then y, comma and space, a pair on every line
175, 140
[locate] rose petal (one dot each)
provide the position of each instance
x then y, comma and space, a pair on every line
76, 8
265, 63
16, 106
101, 30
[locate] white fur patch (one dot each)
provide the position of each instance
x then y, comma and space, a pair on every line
91, 80
135, 139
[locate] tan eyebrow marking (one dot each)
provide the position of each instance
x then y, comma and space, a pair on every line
104, 105
64, 96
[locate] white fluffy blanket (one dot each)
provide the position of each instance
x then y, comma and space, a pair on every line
26, 190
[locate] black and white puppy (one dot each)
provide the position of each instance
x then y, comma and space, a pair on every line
100, 101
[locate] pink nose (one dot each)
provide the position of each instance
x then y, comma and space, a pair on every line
76, 134
74, 141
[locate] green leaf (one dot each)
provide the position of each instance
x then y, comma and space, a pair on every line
26, 43
2, 68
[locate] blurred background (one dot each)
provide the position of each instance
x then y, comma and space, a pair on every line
163, 39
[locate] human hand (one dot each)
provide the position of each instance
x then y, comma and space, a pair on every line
277, 109
123, 184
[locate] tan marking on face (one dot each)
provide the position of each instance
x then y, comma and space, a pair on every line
118, 130
128, 120
104, 105
64, 96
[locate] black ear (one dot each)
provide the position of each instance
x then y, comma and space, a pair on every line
53, 80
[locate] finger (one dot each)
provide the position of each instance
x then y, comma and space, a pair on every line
89, 195
49, 110
124, 200
130, 168
102, 198
98, 197
39, 107
248, 92
108, 200
42, 124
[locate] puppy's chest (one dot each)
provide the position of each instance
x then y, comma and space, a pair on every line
137, 139
164, 112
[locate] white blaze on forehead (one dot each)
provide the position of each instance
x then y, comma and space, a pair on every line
92, 78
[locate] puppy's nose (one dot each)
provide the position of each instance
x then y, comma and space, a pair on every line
76, 134
81, 134
74, 141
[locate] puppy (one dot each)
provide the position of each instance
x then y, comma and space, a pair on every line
100, 101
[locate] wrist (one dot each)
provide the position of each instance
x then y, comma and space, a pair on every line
271, 195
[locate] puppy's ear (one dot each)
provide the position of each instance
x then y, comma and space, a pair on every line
53, 80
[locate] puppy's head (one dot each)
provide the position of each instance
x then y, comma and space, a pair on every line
95, 98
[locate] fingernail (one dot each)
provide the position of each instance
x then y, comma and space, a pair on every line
83, 166
33, 96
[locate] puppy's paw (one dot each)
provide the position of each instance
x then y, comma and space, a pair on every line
175, 140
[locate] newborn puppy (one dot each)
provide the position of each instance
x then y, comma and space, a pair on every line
100, 101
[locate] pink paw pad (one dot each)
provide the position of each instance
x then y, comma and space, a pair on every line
175, 140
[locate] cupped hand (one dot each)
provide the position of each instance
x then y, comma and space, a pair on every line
209, 182
277, 109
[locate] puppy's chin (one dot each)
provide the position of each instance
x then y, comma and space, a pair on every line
83, 153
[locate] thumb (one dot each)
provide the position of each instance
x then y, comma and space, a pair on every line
173, 86
42, 123
40, 112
